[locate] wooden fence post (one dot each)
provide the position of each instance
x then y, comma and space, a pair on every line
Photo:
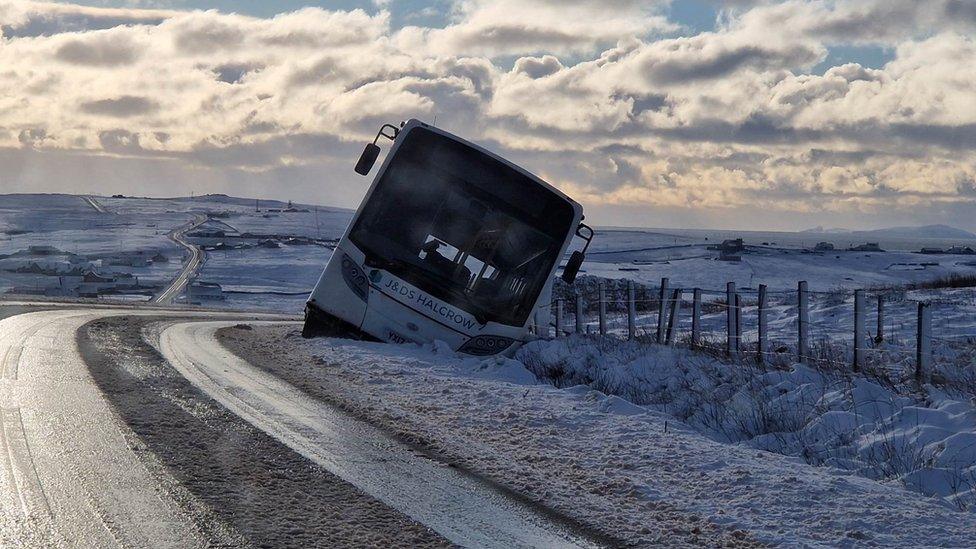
802, 321
738, 323
761, 346
559, 318
879, 336
859, 329
662, 312
673, 317
696, 317
923, 356
730, 336
579, 314
631, 311
603, 310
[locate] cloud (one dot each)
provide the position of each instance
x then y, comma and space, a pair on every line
19, 19
608, 102
120, 107
98, 50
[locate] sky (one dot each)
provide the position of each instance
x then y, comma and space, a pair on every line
732, 114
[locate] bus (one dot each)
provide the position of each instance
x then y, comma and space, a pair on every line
451, 243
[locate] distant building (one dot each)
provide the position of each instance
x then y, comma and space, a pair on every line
198, 292
823, 247
867, 247
731, 245
961, 250
931, 251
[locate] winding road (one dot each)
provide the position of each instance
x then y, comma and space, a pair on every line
191, 266
79, 467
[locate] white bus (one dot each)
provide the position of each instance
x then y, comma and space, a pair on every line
451, 243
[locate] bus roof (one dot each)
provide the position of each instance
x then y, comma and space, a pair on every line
414, 123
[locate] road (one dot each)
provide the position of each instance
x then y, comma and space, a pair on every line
95, 204
191, 266
124, 447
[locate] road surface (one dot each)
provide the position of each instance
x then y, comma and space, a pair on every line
95, 204
85, 460
190, 268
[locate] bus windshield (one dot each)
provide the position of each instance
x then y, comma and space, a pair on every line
463, 227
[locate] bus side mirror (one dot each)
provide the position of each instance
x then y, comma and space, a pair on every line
572, 267
367, 159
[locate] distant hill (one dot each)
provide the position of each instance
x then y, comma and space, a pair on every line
821, 230
924, 231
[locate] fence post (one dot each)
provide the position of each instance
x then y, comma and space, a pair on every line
923, 357
738, 324
579, 314
631, 311
662, 312
673, 317
879, 336
859, 329
761, 313
696, 317
730, 337
603, 310
559, 318
802, 321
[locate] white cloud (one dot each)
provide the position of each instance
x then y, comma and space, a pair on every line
592, 98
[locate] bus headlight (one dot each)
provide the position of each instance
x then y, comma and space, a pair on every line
355, 277
485, 345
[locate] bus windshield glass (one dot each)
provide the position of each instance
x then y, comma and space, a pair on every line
463, 227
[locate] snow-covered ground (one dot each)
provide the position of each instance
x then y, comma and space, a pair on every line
891, 429
275, 279
649, 474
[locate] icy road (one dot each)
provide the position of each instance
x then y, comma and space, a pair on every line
88, 404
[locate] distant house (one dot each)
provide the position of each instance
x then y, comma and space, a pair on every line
867, 247
961, 250
931, 251
198, 292
823, 247
129, 261
212, 231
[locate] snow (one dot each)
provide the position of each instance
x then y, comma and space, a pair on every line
914, 437
647, 472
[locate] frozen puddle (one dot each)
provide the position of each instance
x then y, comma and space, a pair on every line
460, 508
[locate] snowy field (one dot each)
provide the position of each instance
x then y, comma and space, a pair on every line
90, 235
258, 278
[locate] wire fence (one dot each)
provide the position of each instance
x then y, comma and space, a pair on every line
885, 331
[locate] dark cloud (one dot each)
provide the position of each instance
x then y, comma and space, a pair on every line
120, 141
65, 19
203, 35
32, 137
704, 61
98, 51
120, 107
325, 69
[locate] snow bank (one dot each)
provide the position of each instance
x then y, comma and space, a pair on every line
923, 439
627, 469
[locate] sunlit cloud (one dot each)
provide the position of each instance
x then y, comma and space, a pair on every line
615, 104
